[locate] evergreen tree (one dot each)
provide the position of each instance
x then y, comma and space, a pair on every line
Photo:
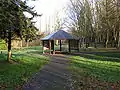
12, 20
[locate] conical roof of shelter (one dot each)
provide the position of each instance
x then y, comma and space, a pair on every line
58, 35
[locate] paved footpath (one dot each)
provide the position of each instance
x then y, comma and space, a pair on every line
54, 76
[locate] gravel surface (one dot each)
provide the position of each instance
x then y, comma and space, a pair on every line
53, 76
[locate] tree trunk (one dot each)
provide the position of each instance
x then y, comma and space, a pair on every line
9, 46
83, 39
118, 44
95, 44
115, 37
106, 42
27, 44
80, 43
21, 43
87, 43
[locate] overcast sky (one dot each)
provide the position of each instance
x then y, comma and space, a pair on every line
48, 9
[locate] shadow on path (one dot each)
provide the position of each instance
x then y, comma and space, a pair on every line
54, 76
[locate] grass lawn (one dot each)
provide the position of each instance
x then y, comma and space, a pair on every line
27, 61
96, 71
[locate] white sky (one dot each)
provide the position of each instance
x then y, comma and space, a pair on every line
48, 8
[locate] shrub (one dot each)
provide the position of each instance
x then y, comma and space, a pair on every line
3, 45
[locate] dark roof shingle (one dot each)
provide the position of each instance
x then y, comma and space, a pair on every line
58, 35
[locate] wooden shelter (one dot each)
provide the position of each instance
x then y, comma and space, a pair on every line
48, 41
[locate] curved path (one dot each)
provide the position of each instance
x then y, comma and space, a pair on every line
54, 76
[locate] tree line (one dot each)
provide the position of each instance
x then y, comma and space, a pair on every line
95, 22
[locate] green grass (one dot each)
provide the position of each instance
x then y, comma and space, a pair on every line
98, 67
92, 49
26, 62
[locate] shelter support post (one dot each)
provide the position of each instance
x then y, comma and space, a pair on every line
69, 47
43, 46
60, 45
50, 46
53, 46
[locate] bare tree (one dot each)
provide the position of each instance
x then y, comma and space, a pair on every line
95, 21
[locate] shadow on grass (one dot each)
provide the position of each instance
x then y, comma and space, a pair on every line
102, 73
101, 68
3, 57
101, 56
102, 65
108, 54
